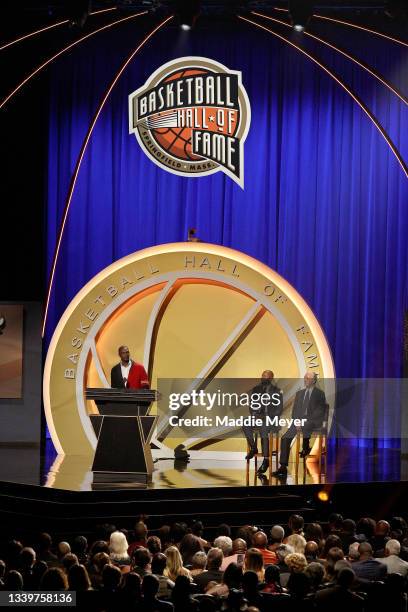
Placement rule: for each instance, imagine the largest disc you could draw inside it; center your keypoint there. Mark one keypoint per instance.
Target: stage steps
(39, 508)
(27, 508)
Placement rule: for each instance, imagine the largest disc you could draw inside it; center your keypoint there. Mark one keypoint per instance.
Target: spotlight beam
(64, 50)
(343, 86)
(81, 156)
(398, 41)
(50, 27)
(362, 65)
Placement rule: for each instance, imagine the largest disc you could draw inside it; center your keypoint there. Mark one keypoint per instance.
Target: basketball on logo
(192, 117)
(178, 141)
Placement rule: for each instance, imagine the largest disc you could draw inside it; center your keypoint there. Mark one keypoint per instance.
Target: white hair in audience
(353, 551)
(199, 560)
(297, 542)
(283, 551)
(393, 547)
(118, 544)
(277, 533)
(225, 543)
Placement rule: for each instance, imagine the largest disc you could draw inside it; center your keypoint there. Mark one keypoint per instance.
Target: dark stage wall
(325, 201)
(20, 419)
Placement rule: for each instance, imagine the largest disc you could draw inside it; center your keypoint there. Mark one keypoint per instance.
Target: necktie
(306, 400)
(264, 408)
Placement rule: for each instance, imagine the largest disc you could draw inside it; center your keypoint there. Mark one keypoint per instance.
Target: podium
(123, 428)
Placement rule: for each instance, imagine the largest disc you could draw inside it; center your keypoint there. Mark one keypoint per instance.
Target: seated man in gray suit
(395, 565)
(310, 404)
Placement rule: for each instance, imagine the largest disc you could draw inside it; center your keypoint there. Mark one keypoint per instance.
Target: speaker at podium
(123, 429)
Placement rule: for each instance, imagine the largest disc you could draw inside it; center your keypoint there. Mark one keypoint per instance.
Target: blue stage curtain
(325, 201)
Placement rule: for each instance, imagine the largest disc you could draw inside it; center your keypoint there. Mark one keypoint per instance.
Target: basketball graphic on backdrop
(178, 140)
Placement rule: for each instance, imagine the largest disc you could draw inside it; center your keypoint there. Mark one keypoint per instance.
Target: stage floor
(346, 464)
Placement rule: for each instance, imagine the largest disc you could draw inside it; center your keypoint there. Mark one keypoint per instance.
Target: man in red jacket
(128, 374)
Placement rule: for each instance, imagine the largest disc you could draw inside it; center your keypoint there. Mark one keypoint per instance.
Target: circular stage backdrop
(186, 310)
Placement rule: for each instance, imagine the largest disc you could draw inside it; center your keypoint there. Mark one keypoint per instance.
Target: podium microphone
(180, 455)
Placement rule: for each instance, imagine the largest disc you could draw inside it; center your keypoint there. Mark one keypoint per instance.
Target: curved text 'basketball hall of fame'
(191, 118)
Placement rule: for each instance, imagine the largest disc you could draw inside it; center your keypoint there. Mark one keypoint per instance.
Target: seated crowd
(339, 565)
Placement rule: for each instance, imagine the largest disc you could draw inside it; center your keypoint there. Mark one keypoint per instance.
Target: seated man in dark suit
(213, 572)
(340, 597)
(150, 601)
(274, 408)
(310, 404)
(367, 568)
(128, 374)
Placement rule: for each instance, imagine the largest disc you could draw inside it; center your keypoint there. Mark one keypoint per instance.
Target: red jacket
(137, 378)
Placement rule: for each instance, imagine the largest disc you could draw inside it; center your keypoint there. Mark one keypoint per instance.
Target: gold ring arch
(186, 310)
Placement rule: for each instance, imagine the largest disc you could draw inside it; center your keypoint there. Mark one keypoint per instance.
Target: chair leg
(320, 452)
(297, 448)
(325, 453)
(256, 446)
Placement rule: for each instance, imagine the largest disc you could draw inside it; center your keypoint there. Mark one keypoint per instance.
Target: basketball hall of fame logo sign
(187, 311)
(191, 117)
